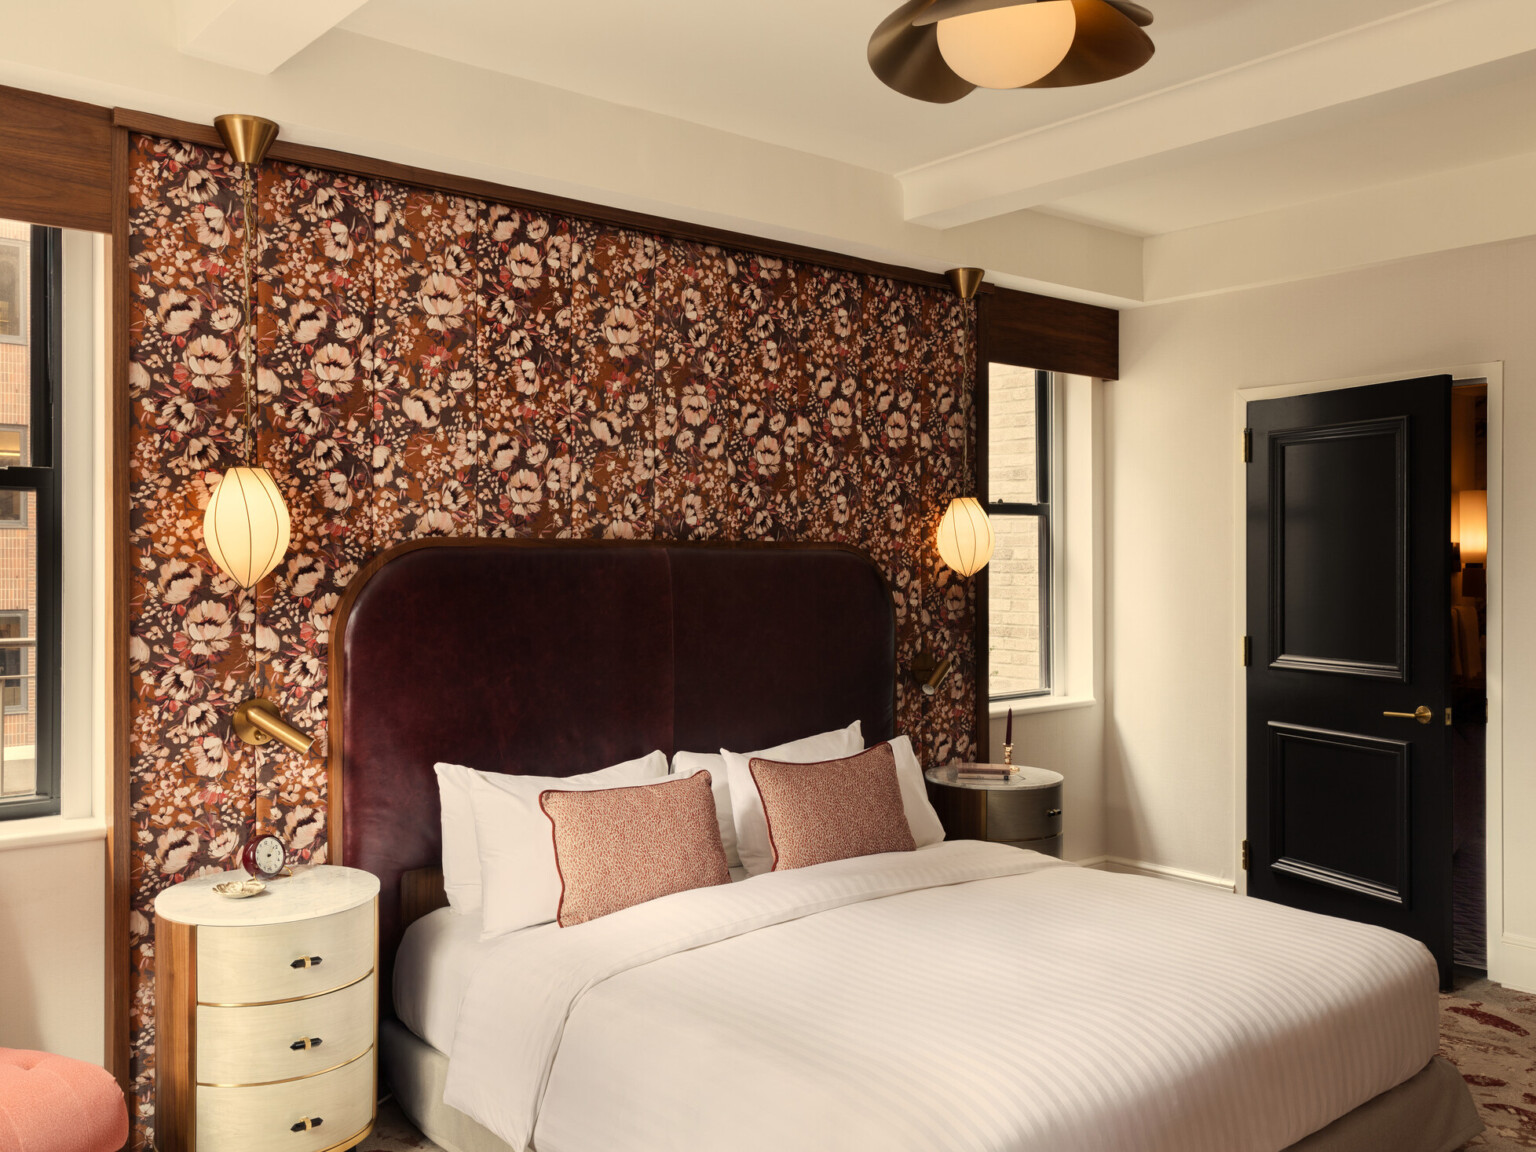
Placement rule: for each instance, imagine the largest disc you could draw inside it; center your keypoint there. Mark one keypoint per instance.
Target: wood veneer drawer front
(256, 964)
(261, 1118)
(256, 1045)
(1023, 814)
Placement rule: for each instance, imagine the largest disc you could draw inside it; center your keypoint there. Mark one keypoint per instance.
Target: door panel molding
(1285, 739)
(1397, 668)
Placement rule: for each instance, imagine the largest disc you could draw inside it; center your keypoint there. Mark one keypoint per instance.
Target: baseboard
(1161, 871)
(1512, 962)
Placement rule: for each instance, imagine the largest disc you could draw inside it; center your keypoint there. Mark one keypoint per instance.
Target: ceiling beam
(1142, 134)
(255, 35)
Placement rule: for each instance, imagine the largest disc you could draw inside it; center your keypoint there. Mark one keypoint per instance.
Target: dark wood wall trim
(55, 161)
(1049, 334)
(119, 822)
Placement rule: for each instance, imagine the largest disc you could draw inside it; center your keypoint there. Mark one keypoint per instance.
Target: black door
(1349, 768)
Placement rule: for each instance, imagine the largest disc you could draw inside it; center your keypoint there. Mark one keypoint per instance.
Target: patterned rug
(1487, 1031)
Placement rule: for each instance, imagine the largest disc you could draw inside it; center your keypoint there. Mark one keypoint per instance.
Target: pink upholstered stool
(54, 1104)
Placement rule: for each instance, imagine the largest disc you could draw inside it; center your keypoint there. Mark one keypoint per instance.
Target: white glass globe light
(1009, 47)
(246, 525)
(965, 537)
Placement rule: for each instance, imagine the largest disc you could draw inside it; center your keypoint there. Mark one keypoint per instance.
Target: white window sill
(40, 830)
(997, 709)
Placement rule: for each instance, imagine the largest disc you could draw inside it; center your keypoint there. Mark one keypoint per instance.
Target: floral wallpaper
(430, 364)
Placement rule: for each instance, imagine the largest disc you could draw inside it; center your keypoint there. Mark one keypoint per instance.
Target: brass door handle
(1422, 714)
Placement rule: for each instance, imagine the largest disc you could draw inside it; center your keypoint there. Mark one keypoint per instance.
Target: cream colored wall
(1172, 595)
(53, 948)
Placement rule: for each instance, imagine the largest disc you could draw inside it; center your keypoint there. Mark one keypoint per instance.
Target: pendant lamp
(965, 538)
(246, 525)
(942, 50)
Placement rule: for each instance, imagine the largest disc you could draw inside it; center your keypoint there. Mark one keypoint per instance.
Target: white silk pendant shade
(965, 537)
(246, 525)
(1008, 47)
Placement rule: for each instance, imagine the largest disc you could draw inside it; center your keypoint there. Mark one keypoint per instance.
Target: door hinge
(1245, 855)
(1247, 445)
(1247, 651)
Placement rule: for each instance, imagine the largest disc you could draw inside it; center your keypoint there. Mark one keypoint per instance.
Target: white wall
(53, 869)
(1172, 595)
(53, 948)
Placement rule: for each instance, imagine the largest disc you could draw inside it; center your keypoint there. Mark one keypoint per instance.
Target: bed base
(1432, 1112)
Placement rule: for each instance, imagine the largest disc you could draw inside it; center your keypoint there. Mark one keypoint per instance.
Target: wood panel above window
(55, 161)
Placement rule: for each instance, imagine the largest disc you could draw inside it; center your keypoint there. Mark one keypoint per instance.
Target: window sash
(45, 312)
(1044, 429)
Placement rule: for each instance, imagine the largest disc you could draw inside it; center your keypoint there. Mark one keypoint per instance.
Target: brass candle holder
(1008, 755)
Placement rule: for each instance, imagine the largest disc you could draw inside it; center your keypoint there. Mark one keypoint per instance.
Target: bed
(964, 996)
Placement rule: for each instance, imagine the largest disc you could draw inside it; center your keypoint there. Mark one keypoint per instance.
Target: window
(13, 662)
(13, 286)
(30, 537)
(13, 508)
(1018, 436)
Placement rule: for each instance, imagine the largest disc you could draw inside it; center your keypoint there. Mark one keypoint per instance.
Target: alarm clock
(264, 856)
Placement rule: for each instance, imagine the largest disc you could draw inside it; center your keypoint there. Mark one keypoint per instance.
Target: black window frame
(45, 307)
(1041, 509)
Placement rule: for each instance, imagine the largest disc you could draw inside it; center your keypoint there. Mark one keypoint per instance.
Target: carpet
(1488, 1032)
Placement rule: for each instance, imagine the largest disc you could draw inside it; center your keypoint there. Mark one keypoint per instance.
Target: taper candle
(1008, 735)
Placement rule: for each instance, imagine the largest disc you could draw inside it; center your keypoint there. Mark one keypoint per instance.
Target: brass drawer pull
(1053, 812)
(306, 1124)
(306, 962)
(306, 1044)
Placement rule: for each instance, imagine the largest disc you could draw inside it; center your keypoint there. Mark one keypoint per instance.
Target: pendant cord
(248, 362)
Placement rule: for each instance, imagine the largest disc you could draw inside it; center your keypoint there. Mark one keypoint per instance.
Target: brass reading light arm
(930, 671)
(258, 721)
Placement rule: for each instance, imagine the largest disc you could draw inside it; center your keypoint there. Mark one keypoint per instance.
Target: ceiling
(793, 74)
(1266, 141)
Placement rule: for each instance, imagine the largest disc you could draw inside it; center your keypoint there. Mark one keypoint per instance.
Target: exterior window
(30, 538)
(13, 454)
(13, 663)
(1019, 504)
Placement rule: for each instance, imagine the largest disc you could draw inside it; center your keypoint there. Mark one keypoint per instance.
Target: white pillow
(520, 880)
(461, 855)
(713, 763)
(747, 806)
(756, 849)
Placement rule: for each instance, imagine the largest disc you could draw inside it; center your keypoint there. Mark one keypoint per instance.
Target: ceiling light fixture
(942, 50)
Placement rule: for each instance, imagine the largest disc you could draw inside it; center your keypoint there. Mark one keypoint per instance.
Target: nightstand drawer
(256, 1045)
(1016, 815)
(267, 962)
(262, 1118)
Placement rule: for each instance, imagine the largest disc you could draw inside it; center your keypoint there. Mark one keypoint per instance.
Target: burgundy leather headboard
(552, 658)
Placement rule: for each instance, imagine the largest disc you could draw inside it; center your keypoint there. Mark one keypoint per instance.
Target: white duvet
(967, 996)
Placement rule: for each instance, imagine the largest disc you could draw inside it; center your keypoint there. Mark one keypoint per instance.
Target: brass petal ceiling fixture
(942, 50)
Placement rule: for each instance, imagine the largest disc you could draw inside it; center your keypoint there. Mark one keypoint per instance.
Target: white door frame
(1511, 961)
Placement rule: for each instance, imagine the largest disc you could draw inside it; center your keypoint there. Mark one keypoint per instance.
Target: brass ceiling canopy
(246, 137)
(940, 50)
(966, 281)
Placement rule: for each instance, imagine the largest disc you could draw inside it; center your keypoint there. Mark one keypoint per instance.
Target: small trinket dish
(240, 889)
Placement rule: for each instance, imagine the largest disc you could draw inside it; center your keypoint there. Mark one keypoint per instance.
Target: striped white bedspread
(965, 997)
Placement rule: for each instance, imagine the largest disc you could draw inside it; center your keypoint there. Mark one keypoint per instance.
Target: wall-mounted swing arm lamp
(258, 722)
(931, 672)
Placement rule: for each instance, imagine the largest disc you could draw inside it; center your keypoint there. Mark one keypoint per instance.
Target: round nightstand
(1024, 811)
(266, 1013)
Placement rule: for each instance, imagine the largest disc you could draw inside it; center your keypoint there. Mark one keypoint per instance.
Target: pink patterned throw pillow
(621, 846)
(834, 809)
